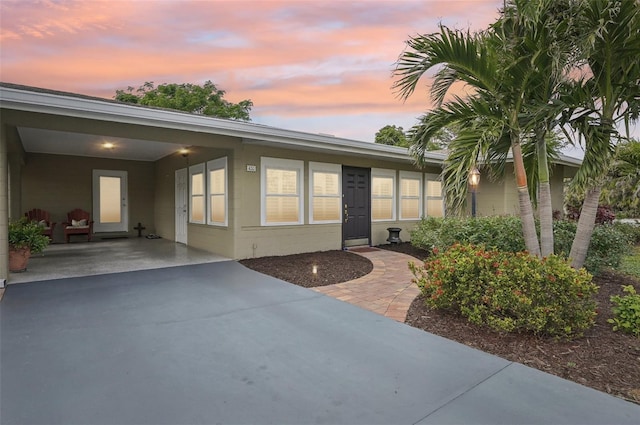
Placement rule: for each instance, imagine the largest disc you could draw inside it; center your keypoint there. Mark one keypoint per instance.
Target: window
(410, 195)
(383, 200)
(326, 193)
(433, 201)
(282, 191)
(196, 193)
(217, 192)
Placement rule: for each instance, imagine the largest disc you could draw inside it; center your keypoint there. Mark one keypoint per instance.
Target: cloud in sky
(318, 66)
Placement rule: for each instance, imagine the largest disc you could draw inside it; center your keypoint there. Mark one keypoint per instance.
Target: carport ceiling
(67, 143)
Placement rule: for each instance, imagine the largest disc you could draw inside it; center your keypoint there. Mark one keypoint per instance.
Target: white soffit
(78, 144)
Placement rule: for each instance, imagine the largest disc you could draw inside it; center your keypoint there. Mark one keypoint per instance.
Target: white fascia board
(48, 103)
(334, 146)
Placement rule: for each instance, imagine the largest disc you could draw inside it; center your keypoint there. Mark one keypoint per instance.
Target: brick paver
(387, 290)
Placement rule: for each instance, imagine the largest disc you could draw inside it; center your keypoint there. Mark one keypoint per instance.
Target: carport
(109, 256)
(52, 142)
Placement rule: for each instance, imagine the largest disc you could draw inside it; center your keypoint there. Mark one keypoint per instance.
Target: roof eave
(106, 110)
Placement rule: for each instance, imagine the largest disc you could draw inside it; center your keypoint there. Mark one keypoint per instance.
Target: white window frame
(433, 177)
(193, 170)
(410, 175)
(381, 172)
(281, 164)
(324, 167)
(214, 165)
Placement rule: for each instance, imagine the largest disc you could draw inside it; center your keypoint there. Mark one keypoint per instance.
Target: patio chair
(43, 219)
(78, 223)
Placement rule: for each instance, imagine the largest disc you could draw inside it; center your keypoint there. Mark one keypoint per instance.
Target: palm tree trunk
(586, 224)
(526, 209)
(545, 209)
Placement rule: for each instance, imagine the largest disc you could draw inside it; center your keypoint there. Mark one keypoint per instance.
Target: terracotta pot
(18, 259)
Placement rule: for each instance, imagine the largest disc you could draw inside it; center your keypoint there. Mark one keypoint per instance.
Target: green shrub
(510, 292)
(631, 230)
(504, 233)
(426, 234)
(626, 312)
(608, 246)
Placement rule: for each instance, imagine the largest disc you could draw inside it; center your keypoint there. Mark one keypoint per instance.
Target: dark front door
(356, 193)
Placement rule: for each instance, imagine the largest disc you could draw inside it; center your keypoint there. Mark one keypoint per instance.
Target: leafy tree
(206, 99)
(392, 135)
(396, 136)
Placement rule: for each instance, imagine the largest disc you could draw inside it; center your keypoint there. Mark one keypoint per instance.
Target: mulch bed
(602, 359)
(333, 267)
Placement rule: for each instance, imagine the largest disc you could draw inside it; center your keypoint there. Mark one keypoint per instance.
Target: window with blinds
(282, 191)
(410, 196)
(326, 193)
(217, 192)
(383, 195)
(433, 200)
(196, 194)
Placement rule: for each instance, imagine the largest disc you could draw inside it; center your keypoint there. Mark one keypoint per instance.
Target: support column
(4, 208)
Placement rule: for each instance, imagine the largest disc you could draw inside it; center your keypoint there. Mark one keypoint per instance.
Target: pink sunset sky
(316, 66)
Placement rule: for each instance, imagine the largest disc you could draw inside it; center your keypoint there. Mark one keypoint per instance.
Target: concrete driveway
(218, 343)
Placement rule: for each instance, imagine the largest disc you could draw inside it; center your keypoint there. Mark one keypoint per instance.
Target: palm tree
(541, 34)
(514, 70)
(609, 95)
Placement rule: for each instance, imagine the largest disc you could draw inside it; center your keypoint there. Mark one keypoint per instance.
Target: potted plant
(25, 238)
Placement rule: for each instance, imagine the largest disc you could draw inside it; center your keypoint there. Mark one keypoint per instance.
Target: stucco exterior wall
(501, 197)
(254, 240)
(60, 183)
(217, 239)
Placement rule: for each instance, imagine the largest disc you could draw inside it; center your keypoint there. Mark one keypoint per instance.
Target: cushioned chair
(78, 223)
(42, 218)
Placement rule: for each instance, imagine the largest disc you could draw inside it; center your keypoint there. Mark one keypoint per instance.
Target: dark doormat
(363, 249)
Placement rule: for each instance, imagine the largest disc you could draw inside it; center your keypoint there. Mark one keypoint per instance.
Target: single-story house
(234, 188)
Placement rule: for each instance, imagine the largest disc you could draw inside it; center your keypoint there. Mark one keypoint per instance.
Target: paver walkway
(387, 290)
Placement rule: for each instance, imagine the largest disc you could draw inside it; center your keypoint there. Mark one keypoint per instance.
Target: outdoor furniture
(78, 223)
(43, 219)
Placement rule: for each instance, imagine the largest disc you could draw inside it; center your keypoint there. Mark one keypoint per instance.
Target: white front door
(110, 201)
(181, 206)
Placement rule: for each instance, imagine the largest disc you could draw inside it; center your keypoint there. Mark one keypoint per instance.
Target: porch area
(109, 256)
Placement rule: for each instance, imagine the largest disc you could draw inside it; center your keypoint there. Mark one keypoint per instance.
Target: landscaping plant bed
(602, 359)
(332, 267)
